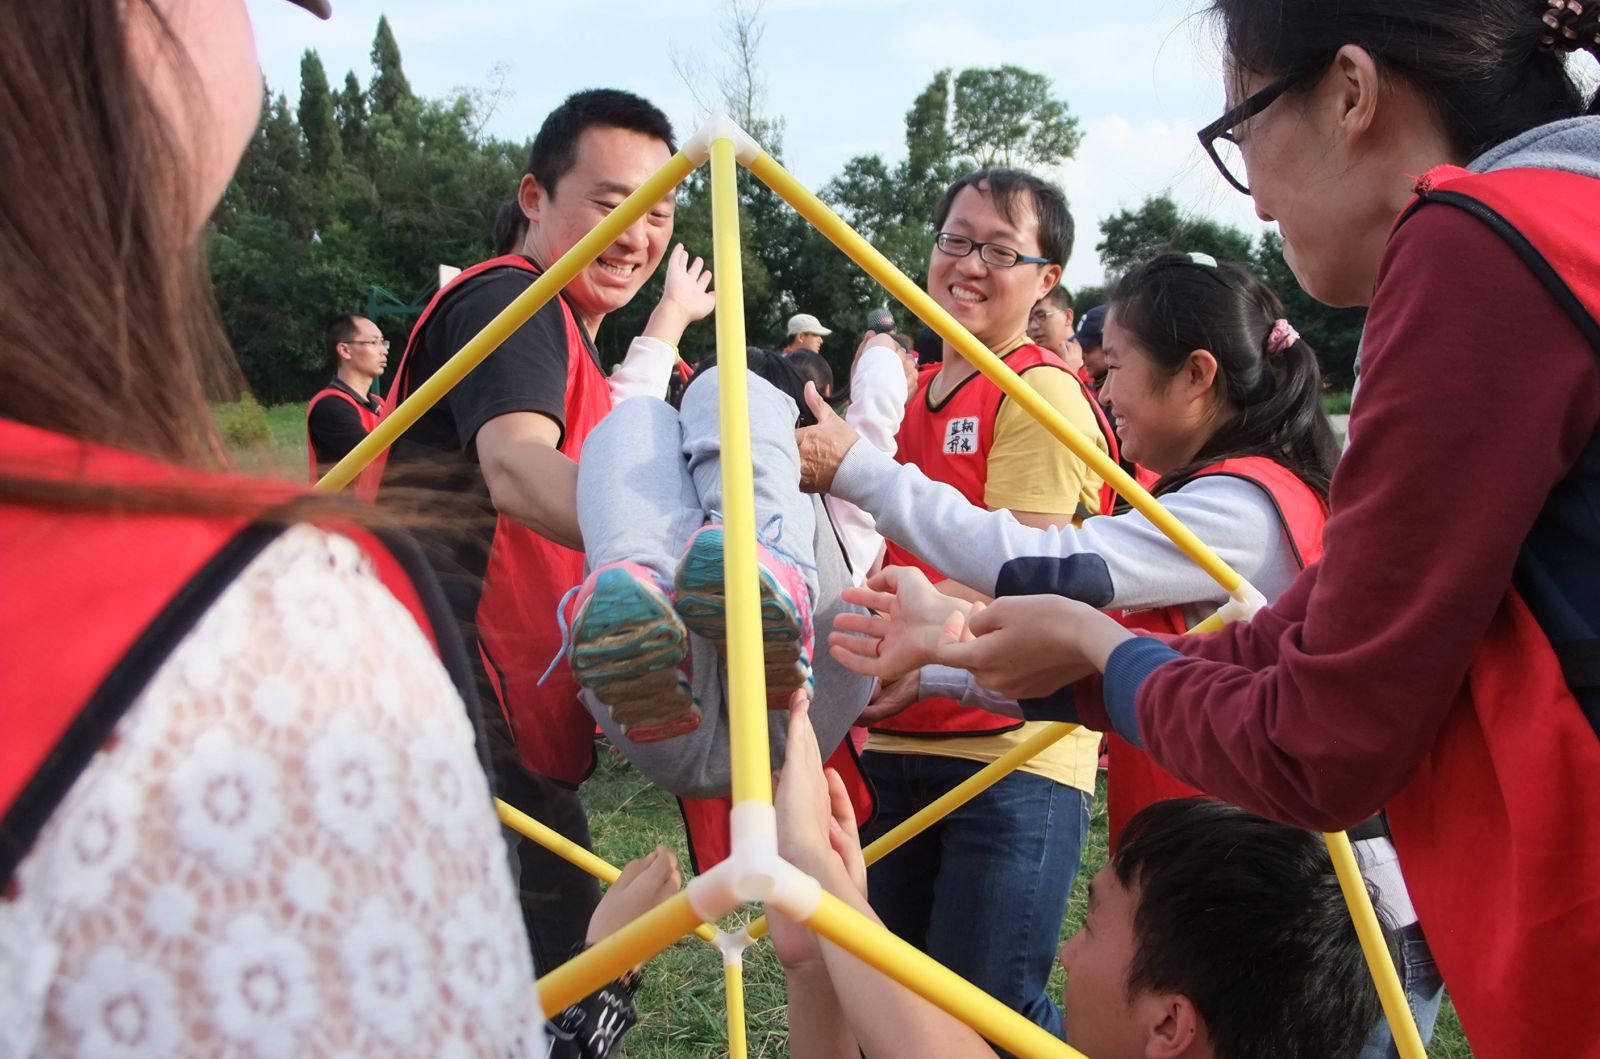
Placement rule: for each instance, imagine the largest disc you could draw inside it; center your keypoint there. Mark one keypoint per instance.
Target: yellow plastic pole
(747, 688)
(513, 316)
(931, 980)
(863, 253)
(733, 984)
(951, 800)
(609, 958)
(569, 851)
(1380, 961)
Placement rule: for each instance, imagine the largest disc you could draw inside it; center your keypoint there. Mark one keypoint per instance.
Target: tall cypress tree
(317, 122)
(389, 84)
(350, 109)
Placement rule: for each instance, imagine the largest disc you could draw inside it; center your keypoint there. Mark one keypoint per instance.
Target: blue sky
(841, 73)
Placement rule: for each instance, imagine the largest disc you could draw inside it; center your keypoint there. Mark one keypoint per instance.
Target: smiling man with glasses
(984, 890)
(345, 410)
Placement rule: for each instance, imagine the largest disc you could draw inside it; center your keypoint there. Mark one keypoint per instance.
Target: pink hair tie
(1282, 336)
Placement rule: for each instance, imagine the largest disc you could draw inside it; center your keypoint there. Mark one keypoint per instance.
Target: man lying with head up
(1212, 934)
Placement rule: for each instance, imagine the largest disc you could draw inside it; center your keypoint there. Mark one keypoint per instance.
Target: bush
(243, 423)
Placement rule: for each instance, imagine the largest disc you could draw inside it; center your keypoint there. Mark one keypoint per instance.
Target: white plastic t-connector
(721, 127)
(732, 945)
(1243, 602)
(753, 871)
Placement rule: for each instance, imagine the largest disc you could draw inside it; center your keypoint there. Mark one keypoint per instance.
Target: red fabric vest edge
(369, 419)
(1500, 813)
(123, 570)
(924, 441)
(527, 574)
(1133, 781)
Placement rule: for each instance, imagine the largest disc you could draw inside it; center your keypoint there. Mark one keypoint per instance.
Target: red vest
(951, 444)
(1133, 781)
(369, 419)
(87, 620)
(527, 574)
(1497, 831)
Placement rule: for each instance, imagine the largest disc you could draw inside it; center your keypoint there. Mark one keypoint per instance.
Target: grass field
(682, 1013)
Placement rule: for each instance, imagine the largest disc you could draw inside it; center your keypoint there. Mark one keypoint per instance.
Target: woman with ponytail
(1438, 162)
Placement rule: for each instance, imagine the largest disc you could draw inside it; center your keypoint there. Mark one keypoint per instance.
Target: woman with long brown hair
(234, 817)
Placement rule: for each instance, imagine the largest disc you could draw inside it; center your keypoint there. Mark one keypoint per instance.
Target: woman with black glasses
(1436, 161)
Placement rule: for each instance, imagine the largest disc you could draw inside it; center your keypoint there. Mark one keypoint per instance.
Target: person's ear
(1174, 1026)
(1357, 85)
(1199, 373)
(1049, 280)
(343, 350)
(531, 197)
(1070, 318)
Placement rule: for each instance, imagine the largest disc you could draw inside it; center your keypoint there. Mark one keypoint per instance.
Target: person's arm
(1446, 471)
(335, 428)
(528, 477)
(685, 298)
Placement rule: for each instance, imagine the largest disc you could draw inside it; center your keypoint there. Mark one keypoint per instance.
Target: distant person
(1050, 326)
(805, 332)
(510, 228)
(880, 321)
(1091, 339)
(928, 346)
(1211, 934)
(345, 410)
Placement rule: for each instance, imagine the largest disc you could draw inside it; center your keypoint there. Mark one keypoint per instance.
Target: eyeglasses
(384, 342)
(990, 253)
(1041, 317)
(1218, 138)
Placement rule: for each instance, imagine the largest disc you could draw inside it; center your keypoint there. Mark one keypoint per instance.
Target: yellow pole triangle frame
(754, 872)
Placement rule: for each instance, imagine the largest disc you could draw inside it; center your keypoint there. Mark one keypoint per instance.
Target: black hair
(1480, 63)
(346, 327)
(1245, 917)
(929, 347)
(510, 226)
(555, 148)
(1059, 298)
(774, 367)
(1173, 305)
(1002, 186)
(813, 366)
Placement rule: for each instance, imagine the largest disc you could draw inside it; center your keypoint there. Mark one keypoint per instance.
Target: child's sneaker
(786, 629)
(627, 648)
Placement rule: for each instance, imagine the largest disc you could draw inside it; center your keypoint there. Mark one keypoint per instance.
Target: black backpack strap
(88, 732)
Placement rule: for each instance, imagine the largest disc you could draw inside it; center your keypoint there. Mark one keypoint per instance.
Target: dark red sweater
(1477, 395)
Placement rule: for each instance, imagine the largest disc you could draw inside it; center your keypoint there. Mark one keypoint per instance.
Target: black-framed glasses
(996, 254)
(1218, 138)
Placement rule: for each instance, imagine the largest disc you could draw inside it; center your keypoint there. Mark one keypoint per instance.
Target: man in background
(345, 410)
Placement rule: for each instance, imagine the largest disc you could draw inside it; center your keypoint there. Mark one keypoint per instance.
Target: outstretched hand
(643, 884)
(911, 620)
(1028, 647)
(822, 447)
(686, 297)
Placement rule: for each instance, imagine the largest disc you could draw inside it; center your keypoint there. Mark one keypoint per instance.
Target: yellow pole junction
(875, 946)
(1380, 961)
(747, 686)
(513, 316)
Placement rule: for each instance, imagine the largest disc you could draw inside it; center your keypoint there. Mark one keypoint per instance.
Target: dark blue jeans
(984, 891)
(1424, 992)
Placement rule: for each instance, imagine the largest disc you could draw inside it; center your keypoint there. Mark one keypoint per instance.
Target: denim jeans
(984, 890)
(1424, 992)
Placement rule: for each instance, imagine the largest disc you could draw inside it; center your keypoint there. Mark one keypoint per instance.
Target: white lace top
(286, 850)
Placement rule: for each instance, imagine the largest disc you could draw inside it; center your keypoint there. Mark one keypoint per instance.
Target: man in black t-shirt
(506, 440)
(345, 410)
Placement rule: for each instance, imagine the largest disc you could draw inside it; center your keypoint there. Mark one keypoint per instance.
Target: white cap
(806, 324)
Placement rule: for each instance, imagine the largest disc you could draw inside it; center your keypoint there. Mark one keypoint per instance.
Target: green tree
(1333, 333)
(319, 126)
(1159, 226)
(350, 109)
(389, 85)
(1006, 116)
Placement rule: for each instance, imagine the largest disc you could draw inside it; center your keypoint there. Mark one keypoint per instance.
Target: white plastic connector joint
(1243, 603)
(753, 871)
(721, 127)
(732, 946)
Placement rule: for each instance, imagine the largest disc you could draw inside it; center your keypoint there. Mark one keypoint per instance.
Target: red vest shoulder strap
(1301, 511)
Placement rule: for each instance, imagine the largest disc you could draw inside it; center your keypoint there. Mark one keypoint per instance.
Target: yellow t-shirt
(1029, 470)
